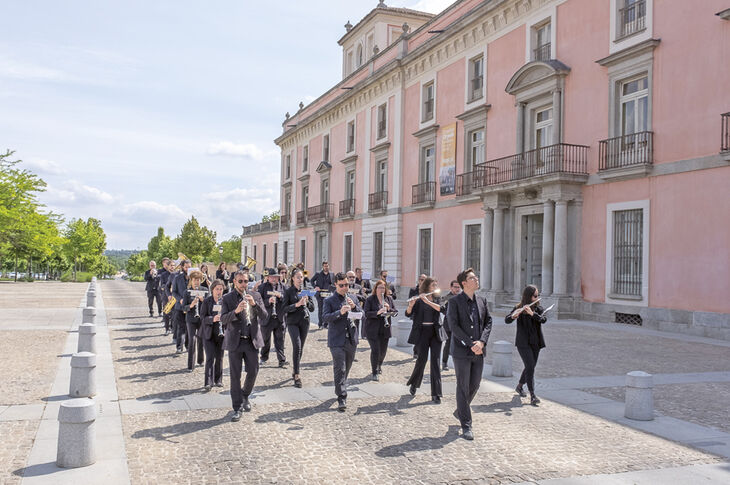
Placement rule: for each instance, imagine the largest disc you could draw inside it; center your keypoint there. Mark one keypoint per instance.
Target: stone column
(520, 127)
(497, 245)
(556, 116)
(486, 276)
(560, 286)
(548, 219)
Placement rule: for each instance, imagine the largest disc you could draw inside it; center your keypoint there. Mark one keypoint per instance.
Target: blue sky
(142, 113)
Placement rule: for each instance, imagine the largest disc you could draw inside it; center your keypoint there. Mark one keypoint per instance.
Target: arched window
(359, 56)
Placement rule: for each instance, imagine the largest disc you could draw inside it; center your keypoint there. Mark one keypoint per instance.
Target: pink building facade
(580, 146)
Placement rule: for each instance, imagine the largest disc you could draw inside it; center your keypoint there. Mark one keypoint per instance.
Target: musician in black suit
(211, 332)
(179, 288)
(455, 290)
(342, 338)
(411, 293)
(164, 290)
(529, 339)
(426, 336)
(152, 287)
(272, 294)
(378, 325)
(384, 277)
(364, 283)
(322, 281)
(470, 325)
(191, 307)
(297, 309)
(242, 311)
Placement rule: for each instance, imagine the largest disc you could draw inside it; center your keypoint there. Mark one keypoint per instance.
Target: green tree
(196, 242)
(232, 249)
(161, 246)
(138, 263)
(274, 216)
(85, 245)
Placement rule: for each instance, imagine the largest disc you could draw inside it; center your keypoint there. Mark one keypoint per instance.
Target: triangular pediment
(323, 167)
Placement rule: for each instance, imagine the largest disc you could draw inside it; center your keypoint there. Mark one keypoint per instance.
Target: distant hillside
(119, 257)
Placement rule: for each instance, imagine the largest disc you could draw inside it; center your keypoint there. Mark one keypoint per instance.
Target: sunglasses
(342, 285)
(241, 281)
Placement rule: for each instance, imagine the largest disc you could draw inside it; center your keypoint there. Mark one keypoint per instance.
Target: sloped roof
(391, 10)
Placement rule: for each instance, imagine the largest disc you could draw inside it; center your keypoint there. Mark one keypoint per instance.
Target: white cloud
(430, 6)
(151, 211)
(245, 150)
(73, 192)
(44, 167)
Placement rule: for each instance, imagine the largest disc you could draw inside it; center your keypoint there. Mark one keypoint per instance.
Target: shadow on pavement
(291, 416)
(505, 407)
(420, 444)
(391, 408)
(167, 433)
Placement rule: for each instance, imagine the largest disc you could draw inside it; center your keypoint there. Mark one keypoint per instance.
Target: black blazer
(192, 315)
(375, 327)
(179, 288)
(462, 327)
(529, 328)
(339, 327)
(295, 315)
(422, 313)
(206, 317)
(152, 283)
(234, 321)
(264, 288)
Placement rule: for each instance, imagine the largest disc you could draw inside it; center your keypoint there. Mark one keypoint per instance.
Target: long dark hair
(527, 294)
(426, 285)
(294, 271)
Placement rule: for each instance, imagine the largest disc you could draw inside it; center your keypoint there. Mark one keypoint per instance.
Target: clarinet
(218, 326)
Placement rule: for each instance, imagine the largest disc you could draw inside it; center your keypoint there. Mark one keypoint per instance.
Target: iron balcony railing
(261, 227)
(301, 218)
(725, 143)
(378, 201)
(424, 193)
(559, 158)
(347, 208)
(464, 183)
(632, 18)
(322, 212)
(284, 222)
(541, 53)
(625, 151)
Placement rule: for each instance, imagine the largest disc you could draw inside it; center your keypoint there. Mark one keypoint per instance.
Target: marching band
(234, 312)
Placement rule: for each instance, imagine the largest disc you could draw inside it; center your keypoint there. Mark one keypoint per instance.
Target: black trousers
(245, 353)
(213, 361)
(320, 303)
(529, 358)
(342, 358)
(428, 341)
(445, 351)
(195, 346)
(277, 328)
(152, 296)
(378, 349)
(298, 335)
(179, 329)
(468, 377)
(166, 316)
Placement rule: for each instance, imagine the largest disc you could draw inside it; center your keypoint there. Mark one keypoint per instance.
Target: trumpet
(250, 262)
(435, 292)
(153, 273)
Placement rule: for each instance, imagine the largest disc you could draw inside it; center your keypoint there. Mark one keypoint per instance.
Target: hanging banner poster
(447, 173)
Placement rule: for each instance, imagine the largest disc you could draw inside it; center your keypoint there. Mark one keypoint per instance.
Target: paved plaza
(156, 423)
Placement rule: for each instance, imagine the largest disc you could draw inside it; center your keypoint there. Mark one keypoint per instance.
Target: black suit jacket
(153, 284)
(375, 324)
(295, 315)
(234, 321)
(529, 328)
(264, 289)
(420, 313)
(462, 326)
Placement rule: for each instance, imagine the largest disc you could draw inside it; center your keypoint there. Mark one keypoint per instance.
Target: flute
(436, 292)
(516, 313)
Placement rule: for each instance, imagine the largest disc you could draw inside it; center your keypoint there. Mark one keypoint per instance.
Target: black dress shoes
(236, 416)
(436, 399)
(412, 390)
(534, 400)
(297, 382)
(468, 434)
(283, 364)
(376, 377)
(519, 390)
(342, 405)
(246, 405)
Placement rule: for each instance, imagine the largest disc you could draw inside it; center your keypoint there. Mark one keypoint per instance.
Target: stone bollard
(76, 433)
(402, 330)
(639, 397)
(83, 375)
(502, 359)
(87, 338)
(91, 298)
(88, 315)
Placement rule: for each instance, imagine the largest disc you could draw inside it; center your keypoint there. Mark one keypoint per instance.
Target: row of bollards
(77, 417)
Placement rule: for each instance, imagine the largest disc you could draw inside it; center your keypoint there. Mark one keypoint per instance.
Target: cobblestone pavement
(703, 403)
(17, 440)
(388, 441)
(34, 355)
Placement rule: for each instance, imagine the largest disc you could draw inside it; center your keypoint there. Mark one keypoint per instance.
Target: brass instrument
(153, 272)
(169, 305)
(250, 263)
(436, 292)
(177, 263)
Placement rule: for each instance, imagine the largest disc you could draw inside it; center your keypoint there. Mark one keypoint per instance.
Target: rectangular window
(254, 256)
(303, 251)
(305, 159)
(473, 249)
(350, 136)
(627, 252)
(427, 97)
(348, 252)
(350, 63)
(382, 119)
(634, 104)
(325, 193)
(424, 253)
(287, 168)
(287, 205)
(350, 184)
(286, 252)
(543, 127)
(381, 179)
(476, 78)
(264, 250)
(427, 172)
(245, 253)
(542, 43)
(632, 17)
(476, 150)
(326, 148)
(377, 252)
(305, 197)
(276, 252)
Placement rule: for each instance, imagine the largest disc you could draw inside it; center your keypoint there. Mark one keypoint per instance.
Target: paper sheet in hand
(217, 308)
(354, 315)
(309, 293)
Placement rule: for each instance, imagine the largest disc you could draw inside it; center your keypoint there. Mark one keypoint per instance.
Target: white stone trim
(646, 34)
(368, 157)
(482, 256)
(469, 56)
(610, 209)
(426, 80)
(418, 248)
(353, 120)
(398, 134)
(391, 227)
(387, 120)
(539, 17)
